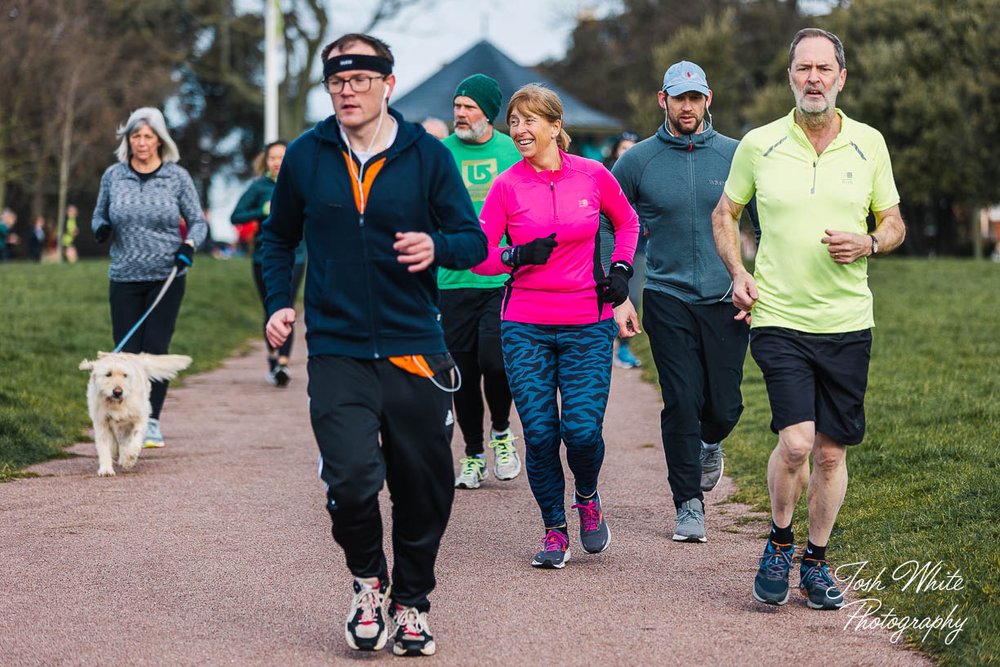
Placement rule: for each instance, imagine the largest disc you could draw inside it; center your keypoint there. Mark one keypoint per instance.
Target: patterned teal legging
(575, 360)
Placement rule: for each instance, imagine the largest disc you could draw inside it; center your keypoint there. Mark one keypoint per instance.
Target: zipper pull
(361, 220)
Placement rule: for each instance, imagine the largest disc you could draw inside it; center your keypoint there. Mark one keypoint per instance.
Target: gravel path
(216, 550)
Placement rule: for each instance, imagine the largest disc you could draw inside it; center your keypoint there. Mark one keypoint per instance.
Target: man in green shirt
(470, 304)
(816, 174)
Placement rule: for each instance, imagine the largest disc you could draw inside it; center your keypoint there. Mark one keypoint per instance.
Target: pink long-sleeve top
(525, 205)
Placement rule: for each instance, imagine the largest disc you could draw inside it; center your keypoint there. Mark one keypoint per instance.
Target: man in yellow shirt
(816, 174)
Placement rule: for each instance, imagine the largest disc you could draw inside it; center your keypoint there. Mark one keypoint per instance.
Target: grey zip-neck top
(145, 220)
(674, 183)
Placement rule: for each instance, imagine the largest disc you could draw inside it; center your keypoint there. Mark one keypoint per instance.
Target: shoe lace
(817, 576)
(368, 601)
(472, 465)
(503, 448)
(555, 540)
(776, 563)
(711, 457)
(409, 619)
(590, 515)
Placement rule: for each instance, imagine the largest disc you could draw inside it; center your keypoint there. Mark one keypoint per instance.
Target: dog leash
(163, 290)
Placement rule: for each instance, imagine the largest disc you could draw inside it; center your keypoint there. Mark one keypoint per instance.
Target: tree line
(921, 71)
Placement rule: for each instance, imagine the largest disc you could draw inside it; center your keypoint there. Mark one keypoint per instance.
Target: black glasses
(359, 83)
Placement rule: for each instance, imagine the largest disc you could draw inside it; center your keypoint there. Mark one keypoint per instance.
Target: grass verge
(925, 483)
(57, 314)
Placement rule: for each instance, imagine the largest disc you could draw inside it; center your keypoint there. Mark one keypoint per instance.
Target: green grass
(925, 483)
(56, 315)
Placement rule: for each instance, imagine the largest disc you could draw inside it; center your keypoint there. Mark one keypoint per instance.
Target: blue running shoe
(625, 358)
(819, 588)
(770, 586)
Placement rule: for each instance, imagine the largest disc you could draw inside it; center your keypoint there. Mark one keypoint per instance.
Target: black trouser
(698, 352)
(353, 403)
(471, 321)
(128, 303)
(298, 271)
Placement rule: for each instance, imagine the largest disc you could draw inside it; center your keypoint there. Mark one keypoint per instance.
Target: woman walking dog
(139, 207)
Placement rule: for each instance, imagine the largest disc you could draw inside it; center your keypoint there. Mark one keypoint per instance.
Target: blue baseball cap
(683, 77)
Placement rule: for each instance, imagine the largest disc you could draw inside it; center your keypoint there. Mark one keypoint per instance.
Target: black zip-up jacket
(360, 301)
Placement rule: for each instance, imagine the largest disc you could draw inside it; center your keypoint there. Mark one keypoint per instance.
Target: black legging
(128, 303)
(486, 365)
(298, 271)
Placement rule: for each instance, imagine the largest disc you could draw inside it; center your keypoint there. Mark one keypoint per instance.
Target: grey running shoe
(711, 467)
(595, 536)
(154, 438)
(555, 551)
(770, 586)
(818, 587)
(471, 473)
(282, 376)
(366, 628)
(506, 462)
(411, 635)
(690, 522)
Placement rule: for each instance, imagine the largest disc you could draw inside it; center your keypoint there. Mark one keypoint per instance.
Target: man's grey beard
(474, 133)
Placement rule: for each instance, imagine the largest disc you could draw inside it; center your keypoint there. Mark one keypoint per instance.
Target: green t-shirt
(799, 196)
(479, 165)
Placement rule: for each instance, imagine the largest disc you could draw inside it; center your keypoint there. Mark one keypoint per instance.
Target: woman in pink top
(558, 325)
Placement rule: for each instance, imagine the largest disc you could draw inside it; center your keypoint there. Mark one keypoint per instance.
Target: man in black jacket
(381, 206)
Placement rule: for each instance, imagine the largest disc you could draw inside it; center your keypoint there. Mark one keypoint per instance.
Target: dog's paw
(129, 461)
(105, 472)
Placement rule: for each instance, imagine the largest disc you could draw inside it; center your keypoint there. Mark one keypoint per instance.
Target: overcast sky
(424, 40)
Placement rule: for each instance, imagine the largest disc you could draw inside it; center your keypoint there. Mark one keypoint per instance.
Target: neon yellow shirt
(479, 165)
(799, 196)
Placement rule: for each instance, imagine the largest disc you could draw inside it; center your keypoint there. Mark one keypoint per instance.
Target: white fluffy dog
(118, 400)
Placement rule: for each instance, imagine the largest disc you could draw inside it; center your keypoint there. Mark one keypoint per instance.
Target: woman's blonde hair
(543, 102)
(260, 162)
(154, 119)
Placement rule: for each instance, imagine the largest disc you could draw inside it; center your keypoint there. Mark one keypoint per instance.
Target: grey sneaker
(154, 438)
(711, 467)
(471, 473)
(506, 464)
(690, 522)
(282, 376)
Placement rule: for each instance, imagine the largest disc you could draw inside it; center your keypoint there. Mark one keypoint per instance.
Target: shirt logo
(478, 175)
(584, 203)
(847, 178)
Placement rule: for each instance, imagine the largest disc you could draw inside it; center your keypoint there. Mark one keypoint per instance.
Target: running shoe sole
(780, 602)
(550, 565)
(689, 538)
(376, 643)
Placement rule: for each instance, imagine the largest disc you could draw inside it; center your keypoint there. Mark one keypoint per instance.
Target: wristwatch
(507, 257)
(874, 244)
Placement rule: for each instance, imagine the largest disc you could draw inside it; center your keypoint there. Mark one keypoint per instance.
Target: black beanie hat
(484, 91)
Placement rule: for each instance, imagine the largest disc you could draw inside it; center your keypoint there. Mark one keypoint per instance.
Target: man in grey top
(674, 179)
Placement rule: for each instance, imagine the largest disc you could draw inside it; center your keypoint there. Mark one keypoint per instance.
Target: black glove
(103, 233)
(184, 257)
(614, 288)
(533, 252)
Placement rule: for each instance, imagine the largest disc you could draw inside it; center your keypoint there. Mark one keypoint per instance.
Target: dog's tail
(164, 366)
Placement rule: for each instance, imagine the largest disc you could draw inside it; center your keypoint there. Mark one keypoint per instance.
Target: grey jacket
(145, 220)
(674, 183)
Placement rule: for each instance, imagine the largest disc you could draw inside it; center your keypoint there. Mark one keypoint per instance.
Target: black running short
(820, 378)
